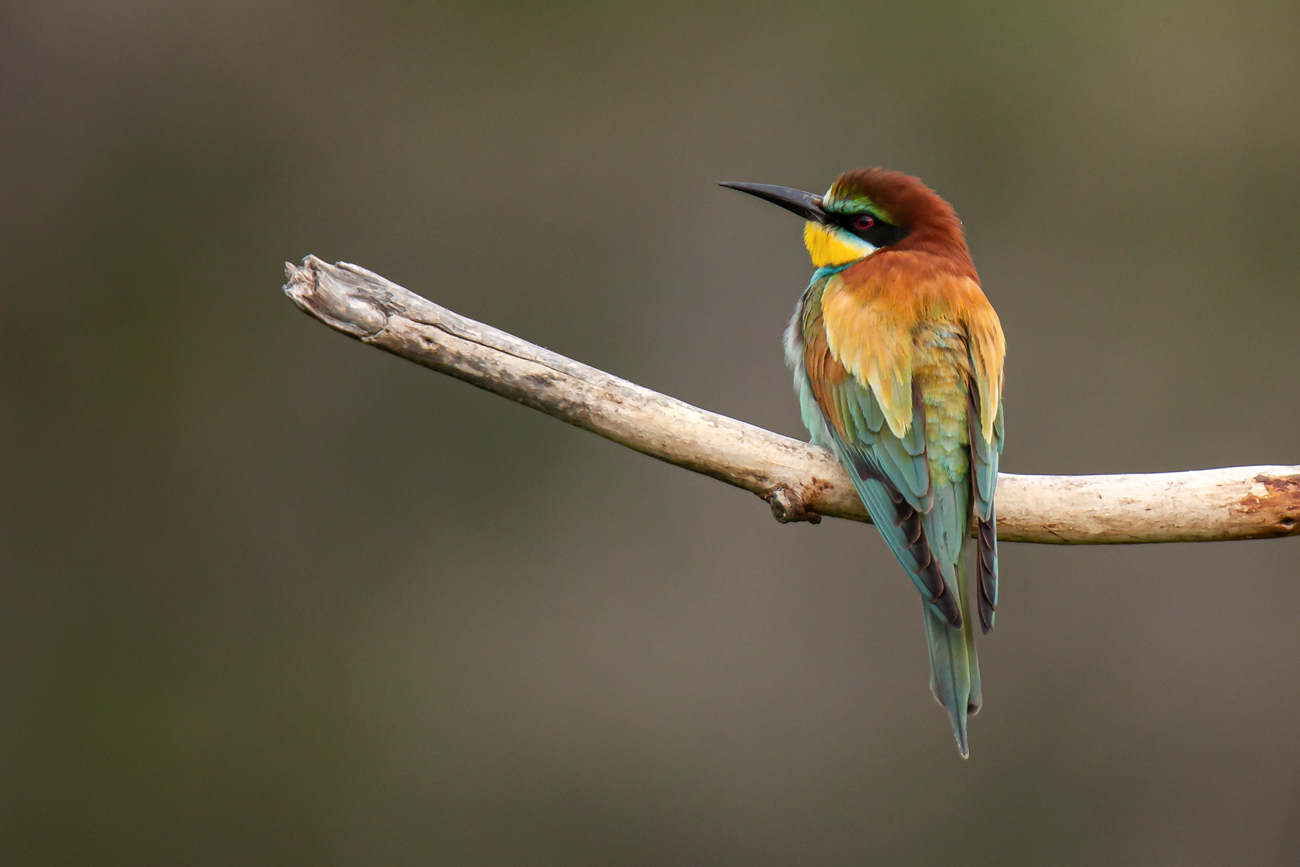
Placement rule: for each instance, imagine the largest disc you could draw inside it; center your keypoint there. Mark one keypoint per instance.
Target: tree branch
(800, 481)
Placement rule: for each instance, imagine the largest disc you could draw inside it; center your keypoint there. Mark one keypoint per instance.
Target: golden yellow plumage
(871, 328)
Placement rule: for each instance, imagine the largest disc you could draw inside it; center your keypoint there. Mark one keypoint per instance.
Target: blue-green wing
(892, 477)
(925, 525)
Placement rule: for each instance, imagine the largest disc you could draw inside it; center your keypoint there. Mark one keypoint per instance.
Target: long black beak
(804, 204)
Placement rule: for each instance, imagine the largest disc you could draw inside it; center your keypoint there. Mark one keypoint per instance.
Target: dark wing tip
(986, 617)
(945, 604)
(986, 572)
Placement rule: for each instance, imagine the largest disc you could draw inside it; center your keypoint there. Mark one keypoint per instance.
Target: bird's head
(866, 210)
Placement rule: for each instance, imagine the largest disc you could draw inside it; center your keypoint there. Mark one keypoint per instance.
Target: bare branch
(800, 481)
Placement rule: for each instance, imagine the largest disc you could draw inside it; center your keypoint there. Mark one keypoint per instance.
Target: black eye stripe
(877, 232)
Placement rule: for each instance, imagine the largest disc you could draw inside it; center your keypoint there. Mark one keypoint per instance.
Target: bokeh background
(268, 596)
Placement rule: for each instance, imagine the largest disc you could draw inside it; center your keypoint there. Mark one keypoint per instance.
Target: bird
(898, 358)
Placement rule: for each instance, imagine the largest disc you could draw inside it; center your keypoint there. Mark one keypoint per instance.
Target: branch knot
(788, 505)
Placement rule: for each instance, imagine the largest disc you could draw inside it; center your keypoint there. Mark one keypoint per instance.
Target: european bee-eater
(897, 359)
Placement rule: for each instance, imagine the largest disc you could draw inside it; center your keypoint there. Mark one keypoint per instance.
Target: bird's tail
(954, 668)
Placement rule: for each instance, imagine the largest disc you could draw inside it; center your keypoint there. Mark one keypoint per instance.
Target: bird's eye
(863, 222)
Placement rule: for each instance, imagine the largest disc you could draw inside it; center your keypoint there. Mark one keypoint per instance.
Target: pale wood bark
(800, 481)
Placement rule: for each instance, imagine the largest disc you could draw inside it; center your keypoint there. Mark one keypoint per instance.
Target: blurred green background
(268, 596)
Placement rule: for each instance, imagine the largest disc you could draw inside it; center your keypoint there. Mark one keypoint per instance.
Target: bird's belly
(942, 371)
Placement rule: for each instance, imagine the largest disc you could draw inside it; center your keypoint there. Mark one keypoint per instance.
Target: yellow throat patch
(830, 247)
